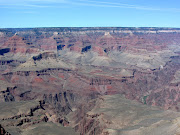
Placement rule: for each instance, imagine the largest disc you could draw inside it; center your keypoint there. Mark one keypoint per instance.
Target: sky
(89, 13)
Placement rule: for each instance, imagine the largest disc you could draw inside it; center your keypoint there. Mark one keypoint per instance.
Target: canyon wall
(68, 70)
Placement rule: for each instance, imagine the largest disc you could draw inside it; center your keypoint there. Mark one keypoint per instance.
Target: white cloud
(30, 1)
(4, 1)
(52, 1)
(123, 5)
(90, 3)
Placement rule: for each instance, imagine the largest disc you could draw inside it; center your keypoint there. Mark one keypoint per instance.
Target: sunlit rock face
(71, 77)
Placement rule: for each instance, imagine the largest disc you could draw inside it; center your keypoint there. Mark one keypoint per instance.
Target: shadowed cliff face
(3, 132)
(68, 70)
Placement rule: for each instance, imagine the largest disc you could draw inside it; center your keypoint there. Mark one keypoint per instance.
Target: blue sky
(89, 13)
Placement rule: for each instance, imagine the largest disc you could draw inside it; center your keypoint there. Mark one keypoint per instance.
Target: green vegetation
(144, 99)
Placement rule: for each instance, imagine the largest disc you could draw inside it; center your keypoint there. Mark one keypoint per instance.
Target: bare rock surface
(94, 80)
(121, 116)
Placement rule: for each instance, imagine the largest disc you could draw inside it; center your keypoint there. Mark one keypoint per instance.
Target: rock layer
(63, 74)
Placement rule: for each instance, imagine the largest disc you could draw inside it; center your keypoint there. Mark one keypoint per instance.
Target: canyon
(90, 81)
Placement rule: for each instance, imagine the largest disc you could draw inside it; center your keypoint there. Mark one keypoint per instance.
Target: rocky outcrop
(113, 118)
(84, 123)
(16, 44)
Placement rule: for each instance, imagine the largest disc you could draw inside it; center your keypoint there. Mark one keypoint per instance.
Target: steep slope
(119, 116)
